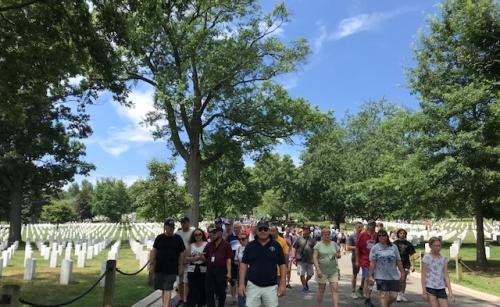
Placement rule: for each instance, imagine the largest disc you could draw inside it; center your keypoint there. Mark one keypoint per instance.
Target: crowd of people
(253, 262)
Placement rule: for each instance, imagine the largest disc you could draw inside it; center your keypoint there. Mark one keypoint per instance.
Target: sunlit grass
(45, 289)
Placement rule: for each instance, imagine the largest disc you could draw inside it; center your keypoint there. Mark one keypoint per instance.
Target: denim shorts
(364, 271)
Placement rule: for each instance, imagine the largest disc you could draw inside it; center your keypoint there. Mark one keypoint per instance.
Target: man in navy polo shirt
(260, 259)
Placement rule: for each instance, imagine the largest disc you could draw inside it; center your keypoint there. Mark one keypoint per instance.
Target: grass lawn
(45, 289)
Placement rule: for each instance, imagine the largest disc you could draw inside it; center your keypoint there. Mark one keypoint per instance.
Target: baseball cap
(263, 224)
(211, 228)
(169, 222)
(185, 219)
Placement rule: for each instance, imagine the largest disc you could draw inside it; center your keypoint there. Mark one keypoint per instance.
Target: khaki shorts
(257, 296)
(328, 277)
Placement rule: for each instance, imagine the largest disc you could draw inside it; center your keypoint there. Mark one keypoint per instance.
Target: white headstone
(103, 269)
(427, 248)
(53, 258)
(81, 259)
(143, 259)
(487, 249)
(29, 270)
(5, 257)
(66, 272)
(68, 252)
(90, 251)
(453, 251)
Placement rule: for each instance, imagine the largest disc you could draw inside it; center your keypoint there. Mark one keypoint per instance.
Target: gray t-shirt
(351, 241)
(386, 258)
(304, 249)
(435, 271)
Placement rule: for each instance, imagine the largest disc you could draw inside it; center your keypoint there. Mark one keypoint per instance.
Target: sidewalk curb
(468, 291)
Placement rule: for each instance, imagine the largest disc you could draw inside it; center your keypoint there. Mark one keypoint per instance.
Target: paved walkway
(294, 297)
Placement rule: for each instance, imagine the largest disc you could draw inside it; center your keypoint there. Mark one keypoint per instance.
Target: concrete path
(464, 297)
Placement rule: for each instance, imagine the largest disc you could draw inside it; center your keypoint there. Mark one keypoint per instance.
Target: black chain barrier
(23, 301)
(135, 273)
(466, 266)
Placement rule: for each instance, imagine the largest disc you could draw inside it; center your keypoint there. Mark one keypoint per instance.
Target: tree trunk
(481, 260)
(194, 171)
(15, 203)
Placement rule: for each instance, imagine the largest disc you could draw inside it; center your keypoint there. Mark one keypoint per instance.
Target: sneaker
(304, 290)
(306, 287)
(399, 299)
(354, 295)
(288, 286)
(403, 298)
(360, 292)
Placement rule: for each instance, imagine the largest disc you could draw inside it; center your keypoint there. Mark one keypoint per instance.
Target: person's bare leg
(319, 295)
(185, 294)
(391, 297)
(384, 298)
(180, 288)
(403, 282)
(353, 282)
(335, 293)
(433, 301)
(166, 298)
(442, 302)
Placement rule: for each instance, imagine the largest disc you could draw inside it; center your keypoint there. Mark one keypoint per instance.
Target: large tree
(210, 63)
(278, 175)
(159, 196)
(457, 81)
(110, 199)
(228, 187)
(45, 46)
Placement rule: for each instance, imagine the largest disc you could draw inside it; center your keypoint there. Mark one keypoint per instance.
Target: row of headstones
(74, 233)
(83, 251)
(455, 249)
(141, 254)
(7, 254)
(66, 273)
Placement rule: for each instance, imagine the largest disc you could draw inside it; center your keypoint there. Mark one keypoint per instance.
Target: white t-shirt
(435, 271)
(196, 251)
(185, 235)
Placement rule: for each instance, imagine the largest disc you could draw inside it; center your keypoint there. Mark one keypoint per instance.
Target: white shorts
(304, 268)
(261, 296)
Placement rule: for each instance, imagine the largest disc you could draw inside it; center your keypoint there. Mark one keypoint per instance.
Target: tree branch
(18, 6)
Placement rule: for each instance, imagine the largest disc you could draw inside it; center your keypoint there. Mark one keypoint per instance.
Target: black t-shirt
(168, 249)
(262, 261)
(406, 249)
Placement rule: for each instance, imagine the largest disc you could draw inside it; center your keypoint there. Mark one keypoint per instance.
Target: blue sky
(360, 50)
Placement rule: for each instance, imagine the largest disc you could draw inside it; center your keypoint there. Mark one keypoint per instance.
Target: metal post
(109, 283)
(458, 268)
(10, 295)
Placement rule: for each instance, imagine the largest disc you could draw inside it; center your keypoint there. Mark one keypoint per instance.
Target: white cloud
(118, 140)
(180, 178)
(355, 24)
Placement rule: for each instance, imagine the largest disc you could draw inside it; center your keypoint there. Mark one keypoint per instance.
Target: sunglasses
(242, 239)
(263, 229)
